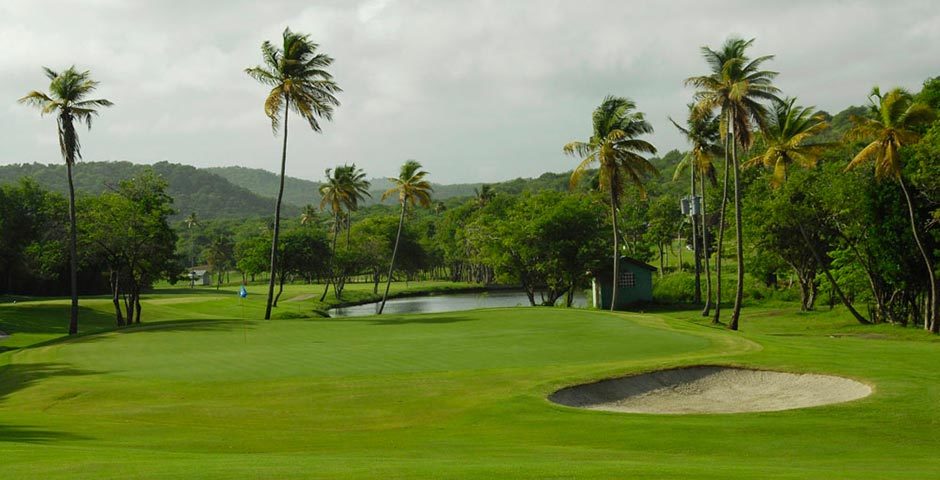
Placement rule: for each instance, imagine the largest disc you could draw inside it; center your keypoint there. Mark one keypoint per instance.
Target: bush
(679, 287)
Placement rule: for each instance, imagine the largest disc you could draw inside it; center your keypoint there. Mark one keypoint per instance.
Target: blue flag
(243, 292)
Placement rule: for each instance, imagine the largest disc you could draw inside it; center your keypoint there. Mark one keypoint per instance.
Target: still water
(452, 302)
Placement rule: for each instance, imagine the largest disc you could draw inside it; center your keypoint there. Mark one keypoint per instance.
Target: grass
(197, 392)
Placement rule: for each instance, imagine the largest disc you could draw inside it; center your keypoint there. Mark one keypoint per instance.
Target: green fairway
(197, 392)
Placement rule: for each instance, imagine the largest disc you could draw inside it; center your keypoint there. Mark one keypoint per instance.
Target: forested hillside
(193, 190)
(301, 192)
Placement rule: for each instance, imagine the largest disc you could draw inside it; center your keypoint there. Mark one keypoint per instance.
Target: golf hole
(711, 389)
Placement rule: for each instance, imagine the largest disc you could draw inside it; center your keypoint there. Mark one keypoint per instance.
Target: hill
(193, 190)
(300, 192)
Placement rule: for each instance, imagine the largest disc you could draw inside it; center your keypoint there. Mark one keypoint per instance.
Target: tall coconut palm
(192, 221)
(412, 189)
(738, 89)
(703, 133)
(788, 141)
(345, 187)
(68, 101)
(616, 149)
(299, 81)
(894, 118)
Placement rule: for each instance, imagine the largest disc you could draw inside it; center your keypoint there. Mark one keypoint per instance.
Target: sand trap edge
(711, 389)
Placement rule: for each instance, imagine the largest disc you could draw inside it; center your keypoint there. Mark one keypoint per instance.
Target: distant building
(200, 277)
(634, 286)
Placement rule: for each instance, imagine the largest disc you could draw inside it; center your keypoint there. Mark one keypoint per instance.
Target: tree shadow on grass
(17, 377)
(25, 434)
(195, 325)
(50, 318)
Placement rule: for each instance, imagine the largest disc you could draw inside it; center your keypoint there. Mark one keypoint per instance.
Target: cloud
(477, 90)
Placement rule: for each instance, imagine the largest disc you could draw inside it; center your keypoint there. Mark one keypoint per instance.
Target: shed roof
(638, 263)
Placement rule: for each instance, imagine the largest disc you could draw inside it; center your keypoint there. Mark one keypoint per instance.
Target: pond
(451, 302)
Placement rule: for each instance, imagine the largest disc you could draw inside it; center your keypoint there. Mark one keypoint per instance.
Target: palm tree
(412, 189)
(787, 138)
(297, 76)
(892, 125)
(484, 194)
(308, 215)
(703, 133)
(191, 222)
(344, 188)
(788, 141)
(67, 99)
(615, 148)
(737, 88)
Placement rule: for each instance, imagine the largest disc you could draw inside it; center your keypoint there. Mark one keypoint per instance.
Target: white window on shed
(627, 279)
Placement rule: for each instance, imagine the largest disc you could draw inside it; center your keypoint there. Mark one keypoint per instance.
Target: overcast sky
(475, 90)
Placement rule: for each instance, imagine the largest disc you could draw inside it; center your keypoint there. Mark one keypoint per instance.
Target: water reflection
(452, 302)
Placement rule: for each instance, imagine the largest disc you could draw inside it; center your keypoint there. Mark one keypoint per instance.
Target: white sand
(711, 389)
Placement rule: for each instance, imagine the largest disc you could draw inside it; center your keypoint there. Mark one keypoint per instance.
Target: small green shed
(634, 286)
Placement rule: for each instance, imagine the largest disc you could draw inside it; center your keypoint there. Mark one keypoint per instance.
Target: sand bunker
(710, 389)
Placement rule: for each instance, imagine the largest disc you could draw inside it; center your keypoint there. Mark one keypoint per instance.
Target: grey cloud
(476, 90)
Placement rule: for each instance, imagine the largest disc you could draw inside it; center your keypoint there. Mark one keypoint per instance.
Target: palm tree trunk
(277, 217)
(708, 276)
(662, 259)
(192, 258)
(613, 290)
(679, 241)
(391, 265)
(930, 319)
(738, 238)
(832, 281)
(329, 279)
(721, 233)
(73, 253)
(697, 263)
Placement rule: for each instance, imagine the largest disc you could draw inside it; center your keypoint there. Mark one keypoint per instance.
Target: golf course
(470, 240)
(195, 391)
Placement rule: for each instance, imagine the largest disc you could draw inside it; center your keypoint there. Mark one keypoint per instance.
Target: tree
(251, 255)
(67, 99)
(895, 118)
(308, 215)
(548, 242)
(129, 229)
(299, 81)
(736, 87)
(301, 253)
(664, 217)
(484, 194)
(412, 189)
(788, 139)
(345, 187)
(33, 229)
(374, 238)
(615, 148)
(219, 255)
(702, 131)
(192, 222)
